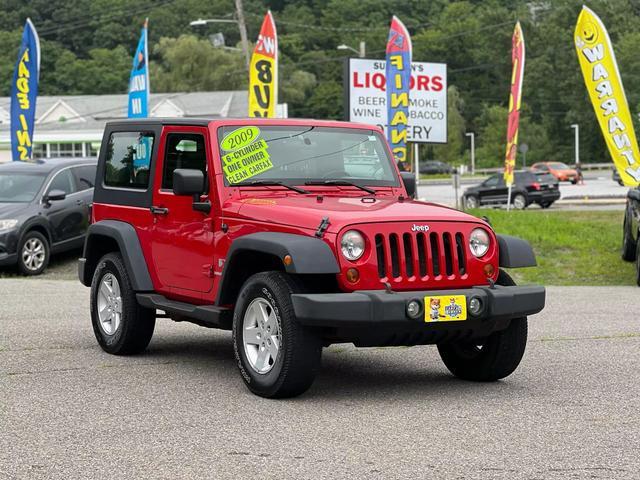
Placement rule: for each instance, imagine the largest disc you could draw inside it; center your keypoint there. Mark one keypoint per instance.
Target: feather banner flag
(139, 80)
(398, 75)
(515, 100)
(604, 84)
(263, 71)
(24, 92)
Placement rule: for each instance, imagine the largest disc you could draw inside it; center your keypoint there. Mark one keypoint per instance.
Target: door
(182, 238)
(85, 178)
(66, 217)
(494, 190)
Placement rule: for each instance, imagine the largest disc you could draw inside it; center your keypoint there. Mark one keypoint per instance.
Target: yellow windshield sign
(248, 155)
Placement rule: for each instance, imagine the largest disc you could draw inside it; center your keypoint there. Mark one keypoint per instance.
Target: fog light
(489, 270)
(475, 306)
(353, 275)
(413, 309)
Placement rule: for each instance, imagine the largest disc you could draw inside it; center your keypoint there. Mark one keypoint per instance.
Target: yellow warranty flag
(602, 78)
(263, 71)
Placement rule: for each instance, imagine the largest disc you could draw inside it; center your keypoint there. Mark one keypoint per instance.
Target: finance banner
(139, 80)
(365, 86)
(263, 71)
(398, 75)
(604, 84)
(515, 99)
(24, 92)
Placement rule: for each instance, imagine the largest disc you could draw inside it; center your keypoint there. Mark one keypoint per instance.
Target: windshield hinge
(324, 224)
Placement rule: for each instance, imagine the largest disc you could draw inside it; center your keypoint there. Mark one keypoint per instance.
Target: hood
(11, 210)
(307, 211)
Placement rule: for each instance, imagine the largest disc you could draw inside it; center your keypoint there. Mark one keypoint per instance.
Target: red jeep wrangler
(295, 234)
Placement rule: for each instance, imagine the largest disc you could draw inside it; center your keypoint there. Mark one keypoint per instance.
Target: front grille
(422, 255)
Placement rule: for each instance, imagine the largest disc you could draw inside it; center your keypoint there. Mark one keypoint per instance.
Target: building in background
(72, 126)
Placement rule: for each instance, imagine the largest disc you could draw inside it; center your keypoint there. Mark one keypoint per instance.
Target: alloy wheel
(33, 254)
(109, 304)
(261, 335)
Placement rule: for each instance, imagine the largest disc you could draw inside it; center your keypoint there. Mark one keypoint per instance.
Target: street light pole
(472, 136)
(576, 129)
(362, 52)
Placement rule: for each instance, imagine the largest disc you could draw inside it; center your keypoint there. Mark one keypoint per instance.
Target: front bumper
(373, 317)
(8, 248)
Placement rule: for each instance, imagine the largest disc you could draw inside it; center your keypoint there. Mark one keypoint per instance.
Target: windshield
(559, 166)
(19, 187)
(296, 155)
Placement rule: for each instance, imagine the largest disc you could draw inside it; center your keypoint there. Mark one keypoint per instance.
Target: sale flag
(398, 75)
(602, 78)
(139, 79)
(515, 99)
(263, 71)
(24, 92)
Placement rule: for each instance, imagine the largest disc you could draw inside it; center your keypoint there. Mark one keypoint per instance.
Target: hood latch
(324, 224)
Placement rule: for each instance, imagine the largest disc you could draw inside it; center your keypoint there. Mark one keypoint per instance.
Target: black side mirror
(409, 180)
(55, 196)
(187, 181)
(634, 194)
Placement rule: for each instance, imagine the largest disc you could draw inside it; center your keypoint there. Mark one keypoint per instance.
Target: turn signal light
(287, 260)
(489, 270)
(353, 275)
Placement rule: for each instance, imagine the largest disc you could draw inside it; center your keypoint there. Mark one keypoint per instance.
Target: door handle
(159, 210)
(79, 202)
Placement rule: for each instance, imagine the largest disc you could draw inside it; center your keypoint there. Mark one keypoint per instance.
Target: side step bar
(209, 316)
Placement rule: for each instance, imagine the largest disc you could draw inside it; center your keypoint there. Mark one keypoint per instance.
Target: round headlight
(352, 245)
(479, 242)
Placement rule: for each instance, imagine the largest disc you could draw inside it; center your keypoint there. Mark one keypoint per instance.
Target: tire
(574, 182)
(490, 359)
(33, 253)
(519, 202)
(629, 246)
(289, 370)
(638, 263)
(129, 332)
(471, 202)
(545, 204)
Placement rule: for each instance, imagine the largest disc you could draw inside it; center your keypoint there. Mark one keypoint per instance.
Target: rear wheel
(545, 204)
(628, 244)
(638, 263)
(520, 202)
(277, 356)
(33, 253)
(121, 326)
(492, 358)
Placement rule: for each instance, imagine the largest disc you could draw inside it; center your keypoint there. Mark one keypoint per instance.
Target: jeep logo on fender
(420, 228)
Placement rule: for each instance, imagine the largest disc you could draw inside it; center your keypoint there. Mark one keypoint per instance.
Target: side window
(492, 181)
(62, 181)
(183, 150)
(128, 160)
(85, 177)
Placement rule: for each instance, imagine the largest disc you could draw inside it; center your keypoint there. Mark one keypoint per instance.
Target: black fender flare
(515, 252)
(126, 237)
(309, 255)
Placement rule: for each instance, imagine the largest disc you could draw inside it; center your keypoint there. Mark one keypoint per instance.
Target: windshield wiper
(345, 183)
(274, 183)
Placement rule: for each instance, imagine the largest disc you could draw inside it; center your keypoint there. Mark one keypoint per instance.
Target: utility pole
(472, 136)
(243, 31)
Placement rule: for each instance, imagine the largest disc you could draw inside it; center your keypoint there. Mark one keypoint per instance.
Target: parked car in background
(434, 167)
(631, 230)
(561, 171)
(44, 209)
(615, 176)
(528, 187)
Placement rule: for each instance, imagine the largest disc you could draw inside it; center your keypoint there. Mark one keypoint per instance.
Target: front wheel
(121, 326)
(492, 358)
(34, 253)
(628, 244)
(277, 357)
(471, 202)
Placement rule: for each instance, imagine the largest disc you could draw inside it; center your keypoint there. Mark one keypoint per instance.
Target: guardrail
(584, 166)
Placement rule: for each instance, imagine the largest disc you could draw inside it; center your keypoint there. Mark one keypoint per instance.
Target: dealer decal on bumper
(445, 308)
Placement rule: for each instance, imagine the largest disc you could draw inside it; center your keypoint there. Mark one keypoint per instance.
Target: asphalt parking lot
(68, 410)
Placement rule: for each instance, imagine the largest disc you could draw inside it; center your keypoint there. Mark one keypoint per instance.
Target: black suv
(528, 187)
(44, 209)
